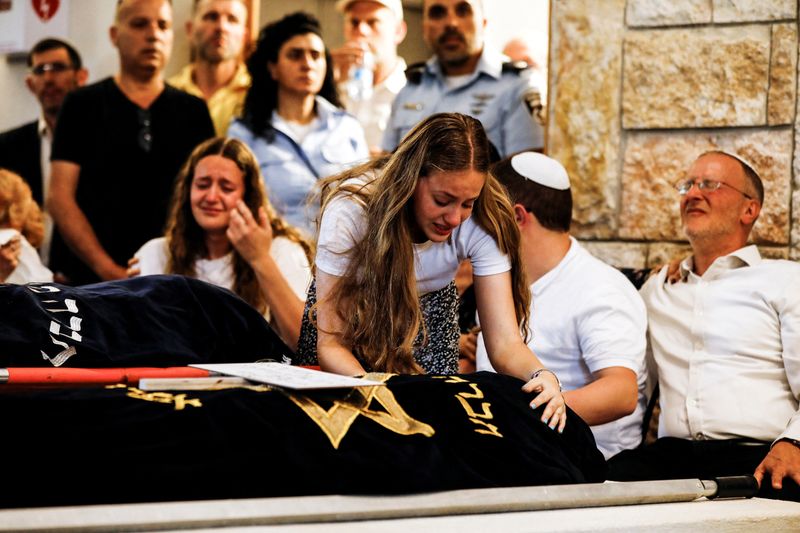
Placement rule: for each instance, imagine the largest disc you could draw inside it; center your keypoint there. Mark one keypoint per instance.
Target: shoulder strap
(414, 73)
(515, 67)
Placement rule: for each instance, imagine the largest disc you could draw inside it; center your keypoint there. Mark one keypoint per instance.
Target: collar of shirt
(326, 114)
(541, 284)
(397, 79)
(184, 80)
(746, 256)
(241, 80)
(490, 63)
(43, 129)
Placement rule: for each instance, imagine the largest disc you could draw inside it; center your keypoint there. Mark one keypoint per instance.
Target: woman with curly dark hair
(292, 118)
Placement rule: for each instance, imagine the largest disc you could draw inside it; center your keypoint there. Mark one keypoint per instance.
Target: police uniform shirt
(501, 95)
(292, 166)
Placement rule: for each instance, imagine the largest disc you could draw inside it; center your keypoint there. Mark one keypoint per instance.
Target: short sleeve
(612, 328)
(341, 227)
(523, 124)
(72, 130)
(152, 257)
(482, 251)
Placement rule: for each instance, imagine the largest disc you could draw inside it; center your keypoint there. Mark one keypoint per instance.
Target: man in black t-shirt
(118, 146)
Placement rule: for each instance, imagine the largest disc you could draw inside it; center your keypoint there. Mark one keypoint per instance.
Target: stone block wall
(639, 88)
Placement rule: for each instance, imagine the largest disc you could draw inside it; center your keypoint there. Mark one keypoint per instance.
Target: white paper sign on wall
(24, 22)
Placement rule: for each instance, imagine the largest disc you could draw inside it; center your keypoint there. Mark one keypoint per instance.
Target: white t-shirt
(343, 224)
(288, 255)
(29, 266)
(587, 316)
(297, 131)
(727, 348)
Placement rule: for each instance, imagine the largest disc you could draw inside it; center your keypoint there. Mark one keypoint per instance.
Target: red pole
(94, 376)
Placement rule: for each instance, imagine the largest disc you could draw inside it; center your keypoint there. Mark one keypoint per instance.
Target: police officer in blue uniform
(463, 76)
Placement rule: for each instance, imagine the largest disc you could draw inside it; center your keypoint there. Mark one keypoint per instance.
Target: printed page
(288, 376)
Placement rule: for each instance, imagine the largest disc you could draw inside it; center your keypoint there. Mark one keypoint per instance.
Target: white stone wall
(639, 88)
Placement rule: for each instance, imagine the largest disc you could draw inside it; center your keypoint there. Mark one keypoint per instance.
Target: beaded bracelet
(537, 372)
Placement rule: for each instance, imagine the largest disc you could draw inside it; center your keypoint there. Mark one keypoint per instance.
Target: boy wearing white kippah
(587, 321)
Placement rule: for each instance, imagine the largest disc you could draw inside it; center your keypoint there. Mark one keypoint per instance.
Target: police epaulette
(414, 72)
(515, 66)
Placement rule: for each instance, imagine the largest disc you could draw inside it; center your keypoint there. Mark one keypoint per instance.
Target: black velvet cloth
(416, 434)
(143, 321)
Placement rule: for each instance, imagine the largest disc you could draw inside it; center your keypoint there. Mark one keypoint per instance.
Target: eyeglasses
(55, 67)
(685, 186)
(145, 137)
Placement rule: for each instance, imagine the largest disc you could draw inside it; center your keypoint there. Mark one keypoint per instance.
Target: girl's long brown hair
(185, 238)
(377, 299)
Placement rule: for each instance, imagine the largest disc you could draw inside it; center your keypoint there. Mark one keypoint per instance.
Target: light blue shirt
(506, 101)
(291, 169)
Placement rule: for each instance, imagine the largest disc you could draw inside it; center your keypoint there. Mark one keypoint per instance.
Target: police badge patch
(533, 99)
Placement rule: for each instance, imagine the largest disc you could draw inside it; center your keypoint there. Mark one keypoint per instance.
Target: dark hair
(51, 43)
(551, 207)
(262, 97)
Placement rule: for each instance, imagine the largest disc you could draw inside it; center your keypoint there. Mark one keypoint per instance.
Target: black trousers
(672, 458)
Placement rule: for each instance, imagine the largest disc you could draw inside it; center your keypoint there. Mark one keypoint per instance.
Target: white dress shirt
(727, 348)
(46, 139)
(374, 112)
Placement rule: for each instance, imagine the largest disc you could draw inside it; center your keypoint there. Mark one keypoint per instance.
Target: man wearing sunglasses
(725, 341)
(55, 69)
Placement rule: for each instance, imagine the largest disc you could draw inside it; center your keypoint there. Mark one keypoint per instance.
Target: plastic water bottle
(359, 84)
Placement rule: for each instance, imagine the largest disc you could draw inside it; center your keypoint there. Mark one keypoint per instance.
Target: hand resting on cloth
(417, 433)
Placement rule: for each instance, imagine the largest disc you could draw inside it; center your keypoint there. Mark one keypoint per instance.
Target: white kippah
(740, 159)
(541, 169)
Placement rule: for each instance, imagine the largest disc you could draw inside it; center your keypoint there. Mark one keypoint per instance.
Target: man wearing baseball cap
(373, 29)
(587, 321)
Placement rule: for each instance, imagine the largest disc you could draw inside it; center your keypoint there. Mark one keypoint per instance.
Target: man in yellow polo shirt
(217, 32)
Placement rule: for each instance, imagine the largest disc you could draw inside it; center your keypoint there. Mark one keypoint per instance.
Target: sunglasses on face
(145, 135)
(55, 67)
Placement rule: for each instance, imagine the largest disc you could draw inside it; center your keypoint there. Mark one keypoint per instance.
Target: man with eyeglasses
(587, 323)
(725, 342)
(465, 76)
(118, 146)
(218, 33)
(55, 70)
